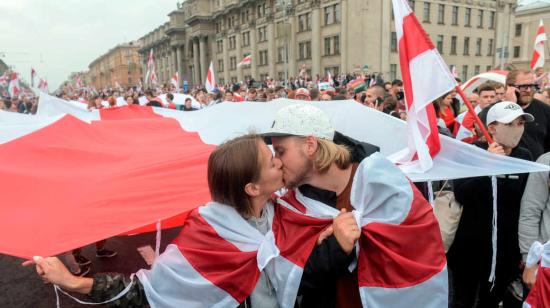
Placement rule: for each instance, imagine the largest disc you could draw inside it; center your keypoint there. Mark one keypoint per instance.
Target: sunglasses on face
(527, 87)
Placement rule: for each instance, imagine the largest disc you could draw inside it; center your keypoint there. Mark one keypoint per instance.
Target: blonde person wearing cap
(470, 256)
(320, 163)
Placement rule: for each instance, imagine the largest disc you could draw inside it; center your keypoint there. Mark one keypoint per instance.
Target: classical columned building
(337, 36)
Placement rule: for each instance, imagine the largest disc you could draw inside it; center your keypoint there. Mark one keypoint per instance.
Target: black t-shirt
(536, 137)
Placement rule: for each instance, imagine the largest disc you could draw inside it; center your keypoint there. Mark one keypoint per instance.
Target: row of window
(453, 48)
(331, 14)
(455, 11)
(333, 70)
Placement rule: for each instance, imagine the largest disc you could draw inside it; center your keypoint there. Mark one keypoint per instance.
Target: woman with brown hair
(244, 186)
(446, 110)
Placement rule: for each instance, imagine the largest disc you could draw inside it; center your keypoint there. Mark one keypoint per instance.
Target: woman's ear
(252, 189)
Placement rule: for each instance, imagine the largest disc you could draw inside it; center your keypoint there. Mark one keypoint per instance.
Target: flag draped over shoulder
(400, 251)
(218, 256)
(539, 296)
(417, 56)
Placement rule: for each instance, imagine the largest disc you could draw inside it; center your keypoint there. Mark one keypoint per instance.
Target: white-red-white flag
(78, 82)
(538, 52)
(175, 81)
(210, 83)
(151, 75)
(539, 257)
(417, 56)
(43, 85)
(329, 78)
(33, 76)
(246, 61)
(4, 78)
(14, 89)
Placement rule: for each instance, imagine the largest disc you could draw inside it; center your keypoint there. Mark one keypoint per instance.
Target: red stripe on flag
(294, 239)
(398, 256)
(219, 261)
(93, 181)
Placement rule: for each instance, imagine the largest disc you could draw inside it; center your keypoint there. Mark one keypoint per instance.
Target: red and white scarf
(539, 296)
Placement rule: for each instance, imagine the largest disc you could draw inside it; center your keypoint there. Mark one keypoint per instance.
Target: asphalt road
(22, 287)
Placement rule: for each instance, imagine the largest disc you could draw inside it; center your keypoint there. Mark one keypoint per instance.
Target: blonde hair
(329, 152)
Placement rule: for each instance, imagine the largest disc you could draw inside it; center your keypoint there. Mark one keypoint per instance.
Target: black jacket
(472, 247)
(328, 261)
(537, 134)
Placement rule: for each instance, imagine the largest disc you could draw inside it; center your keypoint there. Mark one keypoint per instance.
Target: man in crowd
(302, 94)
(520, 88)
(301, 135)
(466, 130)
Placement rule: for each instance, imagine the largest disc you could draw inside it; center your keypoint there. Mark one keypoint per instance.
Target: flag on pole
(151, 75)
(175, 80)
(329, 78)
(33, 75)
(418, 54)
(43, 85)
(78, 81)
(210, 83)
(303, 71)
(538, 52)
(14, 87)
(246, 61)
(4, 79)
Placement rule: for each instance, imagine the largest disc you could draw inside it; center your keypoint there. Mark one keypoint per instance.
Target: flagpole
(476, 117)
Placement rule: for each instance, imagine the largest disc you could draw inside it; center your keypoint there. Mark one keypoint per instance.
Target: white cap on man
(301, 120)
(507, 112)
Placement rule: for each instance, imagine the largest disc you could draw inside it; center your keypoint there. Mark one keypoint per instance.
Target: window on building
(232, 43)
(281, 55)
(332, 14)
(260, 10)
(219, 45)
(279, 29)
(490, 47)
(441, 14)
(466, 46)
(393, 71)
(262, 34)
(464, 72)
(478, 46)
(233, 63)
(454, 18)
(333, 70)
(518, 30)
(517, 51)
(439, 43)
(492, 20)
(453, 45)
(246, 39)
(477, 69)
(332, 45)
(304, 22)
(467, 17)
(393, 43)
(488, 68)
(480, 19)
(263, 57)
(426, 14)
(220, 65)
(234, 80)
(304, 50)
(245, 16)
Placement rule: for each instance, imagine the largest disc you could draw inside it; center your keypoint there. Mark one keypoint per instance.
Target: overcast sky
(58, 37)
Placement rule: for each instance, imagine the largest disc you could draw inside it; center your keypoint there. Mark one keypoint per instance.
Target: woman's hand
(530, 276)
(54, 271)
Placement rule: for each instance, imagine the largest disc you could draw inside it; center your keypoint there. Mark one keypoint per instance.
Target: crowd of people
(515, 114)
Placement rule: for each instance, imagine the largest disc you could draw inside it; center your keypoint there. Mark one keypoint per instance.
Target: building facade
(119, 65)
(320, 36)
(525, 26)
